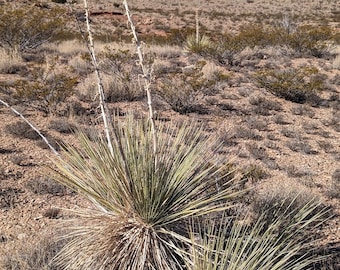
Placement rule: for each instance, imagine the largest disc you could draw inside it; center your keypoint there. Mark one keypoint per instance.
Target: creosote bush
(144, 198)
(28, 28)
(298, 85)
(46, 91)
(304, 40)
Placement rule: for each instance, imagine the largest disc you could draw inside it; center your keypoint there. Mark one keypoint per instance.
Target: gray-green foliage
(28, 28)
(234, 244)
(144, 199)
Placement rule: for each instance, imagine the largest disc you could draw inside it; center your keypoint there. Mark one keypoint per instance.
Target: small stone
(21, 236)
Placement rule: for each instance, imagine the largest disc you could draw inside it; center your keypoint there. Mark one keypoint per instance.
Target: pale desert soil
(25, 216)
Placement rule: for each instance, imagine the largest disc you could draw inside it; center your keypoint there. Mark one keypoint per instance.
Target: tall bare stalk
(31, 125)
(146, 76)
(103, 107)
(197, 27)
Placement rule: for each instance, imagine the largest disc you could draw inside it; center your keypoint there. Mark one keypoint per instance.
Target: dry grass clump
(334, 189)
(69, 48)
(45, 185)
(80, 65)
(34, 255)
(117, 86)
(62, 126)
(22, 130)
(10, 61)
(164, 51)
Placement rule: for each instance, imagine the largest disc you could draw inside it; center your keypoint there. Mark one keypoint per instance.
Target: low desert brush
(298, 85)
(28, 28)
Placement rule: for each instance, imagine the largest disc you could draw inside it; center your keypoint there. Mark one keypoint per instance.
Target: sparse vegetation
(46, 91)
(297, 85)
(28, 28)
(255, 87)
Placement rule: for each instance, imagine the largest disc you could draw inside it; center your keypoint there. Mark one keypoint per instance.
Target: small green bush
(28, 28)
(46, 91)
(311, 40)
(304, 40)
(297, 85)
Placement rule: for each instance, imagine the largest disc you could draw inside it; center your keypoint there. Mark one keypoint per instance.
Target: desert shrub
(297, 85)
(52, 213)
(183, 91)
(299, 145)
(62, 126)
(144, 198)
(254, 173)
(311, 40)
(281, 119)
(326, 146)
(124, 81)
(304, 40)
(259, 124)
(22, 130)
(298, 172)
(45, 185)
(59, 1)
(46, 90)
(290, 133)
(9, 197)
(230, 45)
(258, 152)
(303, 110)
(246, 133)
(28, 28)
(264, 105)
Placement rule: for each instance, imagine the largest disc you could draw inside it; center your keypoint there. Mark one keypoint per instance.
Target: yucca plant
(144, 198)
(198, 44)
(232, 244)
